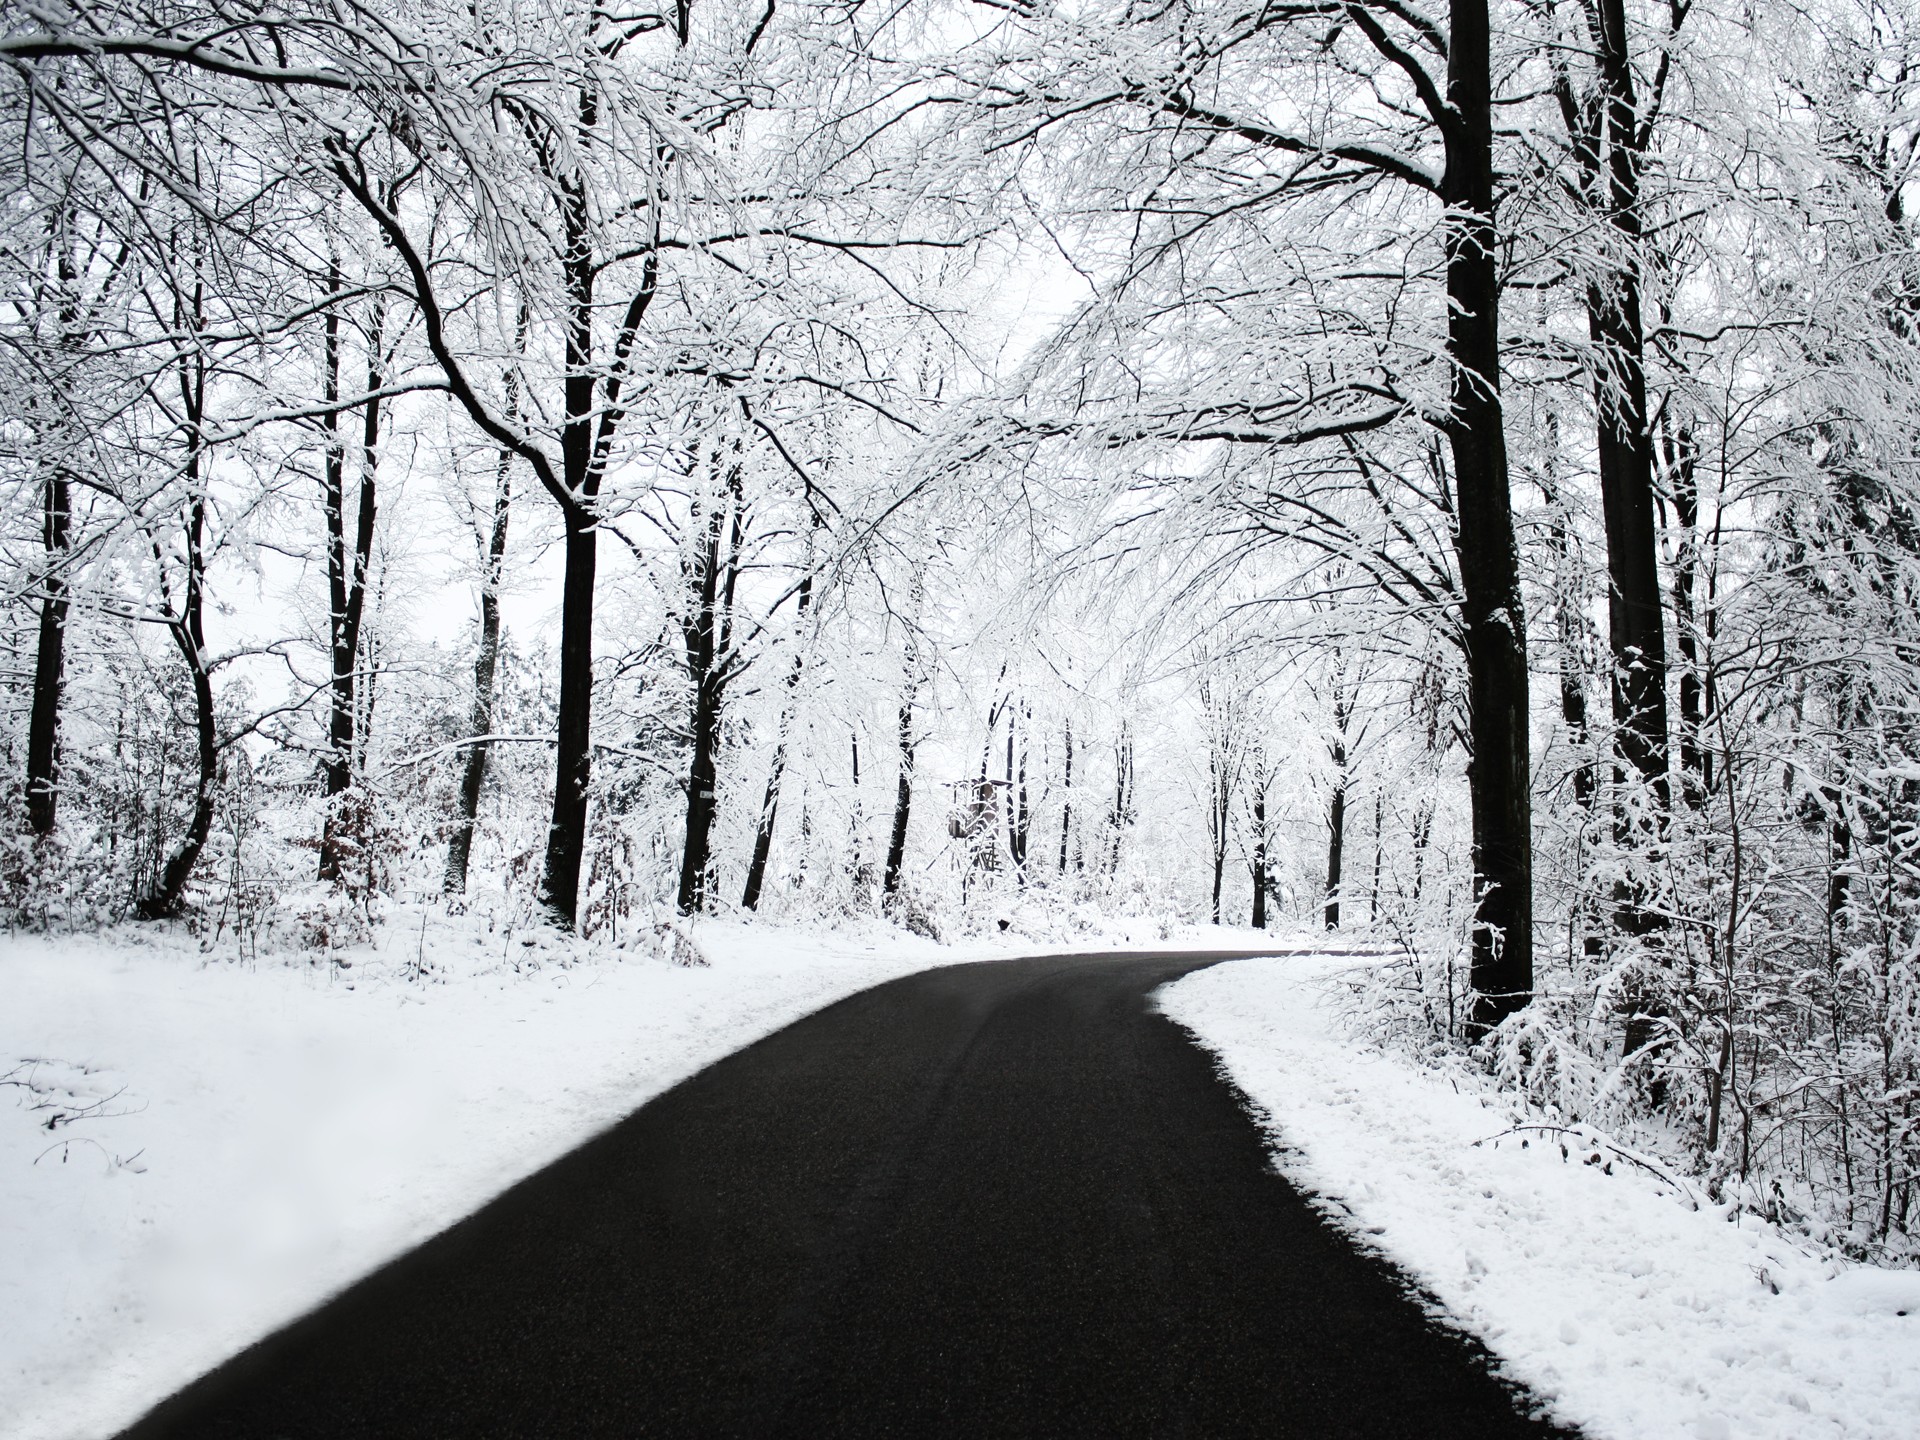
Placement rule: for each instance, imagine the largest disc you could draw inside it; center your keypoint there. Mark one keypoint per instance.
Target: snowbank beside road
(194, 1152)
(1630, 1313)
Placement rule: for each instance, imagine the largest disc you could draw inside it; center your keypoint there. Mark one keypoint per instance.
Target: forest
(1448, 474)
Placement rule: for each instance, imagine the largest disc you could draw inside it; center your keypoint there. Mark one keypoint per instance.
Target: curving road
(994, 1199)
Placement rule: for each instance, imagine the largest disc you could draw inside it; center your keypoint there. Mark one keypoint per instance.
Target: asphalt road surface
(993, 1199)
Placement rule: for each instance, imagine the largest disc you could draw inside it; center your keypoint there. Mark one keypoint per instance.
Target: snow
(1628, 1311)
(231, 1144)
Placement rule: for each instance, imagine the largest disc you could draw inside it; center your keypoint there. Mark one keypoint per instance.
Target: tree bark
(347, 571)
(1260, 850)
(1492, 617)
(49, 667)
(188, 630)
(1336, 839)
(903, 791)
(1636, 615)
(1379, 854)
(581, 470)
(770, 802)
(708, 635)
(486, 661)
(1122, 794)
(1066, 804)
(1019, 822)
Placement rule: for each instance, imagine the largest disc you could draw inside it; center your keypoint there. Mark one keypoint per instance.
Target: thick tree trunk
(1636, 623)
(573, 773)
(486, 661)
(582, 460)
(1492, 617)
(703, 781)
(347, 570)
(49, 667)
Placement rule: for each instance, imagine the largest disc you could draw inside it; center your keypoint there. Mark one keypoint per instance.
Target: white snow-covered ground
(230, 1145)
(1630, 1313)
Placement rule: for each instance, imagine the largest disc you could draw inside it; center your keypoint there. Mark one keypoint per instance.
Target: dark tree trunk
(1066, 804)
(1260, 852)
(1122, 795)
(903, 790)
(1379, 854)
(1336, 839)
(770, 802)
(347, 570)
(1636, 616)
(703, 782)
(708, 638)
(189, 637)
(567, 834)
(902, 800)
(1218, 819)
(486, 661)
(580, 482)
(1493, 622)
(1019, 822)
(49, 668)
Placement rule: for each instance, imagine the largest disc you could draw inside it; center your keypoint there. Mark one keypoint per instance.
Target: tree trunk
(1336, 839)
(486, 660)
(1337, 801)
(189, 637)
(1218, 819)
(1260, 851)
(1122, 795)
(1019, 823)
(582, 460)
(1066, 804)
(49, 668)
(567, 834)
(708, 636)
(903, 792)
(1636, 623)
(1379, 855)
(347, 571)
(1492, 617)
(770, 802)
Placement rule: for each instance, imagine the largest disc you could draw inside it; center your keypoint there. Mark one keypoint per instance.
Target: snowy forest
(1450, 474)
